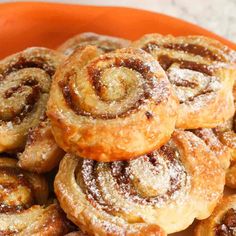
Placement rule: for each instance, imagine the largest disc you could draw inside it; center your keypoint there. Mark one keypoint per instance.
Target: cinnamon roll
(182, 178)
(202, 72)
(222, 222)
(21, 196)
(103, 42)
(41, 152)
(25, 83)
(114, 106)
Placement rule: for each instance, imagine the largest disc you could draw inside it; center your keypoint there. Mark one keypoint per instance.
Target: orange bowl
(49, 24)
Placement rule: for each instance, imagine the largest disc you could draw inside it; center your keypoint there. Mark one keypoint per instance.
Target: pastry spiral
(20, 195)
(202, 72)
(182, 178)
(25, 83)
(103, 42)
(41, 152)
(112, 106)
(222, 222)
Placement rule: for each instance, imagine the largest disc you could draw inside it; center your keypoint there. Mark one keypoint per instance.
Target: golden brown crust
(152, 230)
(221, 151)
(41, 152)
(111, 106)
(77, 233)
(231, 176)
(183, 178)
(21, 193)
(25, 84)
(226, 134)
(102, 42)
(202, 72)
(222, 221)
(35, 221)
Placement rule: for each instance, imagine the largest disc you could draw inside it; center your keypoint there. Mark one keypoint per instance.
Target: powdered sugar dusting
(153, 179)
(189, 84)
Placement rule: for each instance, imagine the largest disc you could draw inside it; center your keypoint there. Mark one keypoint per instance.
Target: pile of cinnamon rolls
(105, 136)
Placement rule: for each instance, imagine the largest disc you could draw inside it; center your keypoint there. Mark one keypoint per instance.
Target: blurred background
(218, 16)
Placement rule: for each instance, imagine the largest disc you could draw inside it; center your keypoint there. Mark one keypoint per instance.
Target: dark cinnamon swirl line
(14, 181)
(194, 49)
(151, 90)
(30, 80)
(103, 42)
(18, 88)
(123, 177)
(25, 83)
(33, 62)
(210, 54)
(153, 188)
(8, 232)
(122, 88)
(228, 223)
(120, 171)
(166, 61)
(24, 205)
(201, 70)
(9, 188)
(28, 107)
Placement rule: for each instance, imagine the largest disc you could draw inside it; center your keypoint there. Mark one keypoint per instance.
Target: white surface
(218, 16)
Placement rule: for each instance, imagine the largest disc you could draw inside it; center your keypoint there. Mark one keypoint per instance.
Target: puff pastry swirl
(25, 84)
(202, 72)
(103, 42)
(182, 178)
(111, 106)
(22, 199)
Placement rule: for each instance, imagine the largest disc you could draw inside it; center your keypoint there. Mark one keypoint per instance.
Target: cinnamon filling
(35, 133)
(133, 64)
(12, 208)
(15, 191)
(121, 172)
(186, 83)
(91, 186)
(149, 115)
(8, 232)
(151, 90)
(23, 62)
(166, 61)
(227, 227)
(32, 98)
(188, 48)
